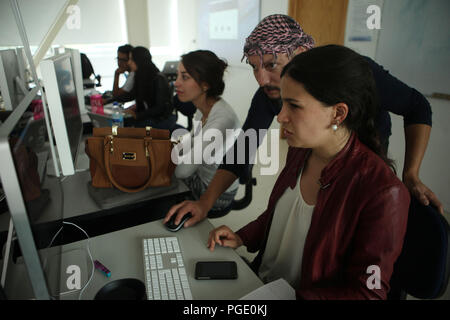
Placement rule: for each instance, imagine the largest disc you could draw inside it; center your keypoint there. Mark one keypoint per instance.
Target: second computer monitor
(78, 76)
(64, 107)
(10, 80)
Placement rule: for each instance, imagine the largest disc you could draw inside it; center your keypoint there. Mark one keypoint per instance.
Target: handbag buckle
(129, 156)
(114, 130)
(111, 143)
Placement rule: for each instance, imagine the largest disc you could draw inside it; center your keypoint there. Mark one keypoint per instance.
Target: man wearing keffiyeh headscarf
(270, 46)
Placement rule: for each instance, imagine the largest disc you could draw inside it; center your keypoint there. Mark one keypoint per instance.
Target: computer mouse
(171, 226)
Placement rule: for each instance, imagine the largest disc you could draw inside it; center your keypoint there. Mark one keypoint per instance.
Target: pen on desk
(99, 266)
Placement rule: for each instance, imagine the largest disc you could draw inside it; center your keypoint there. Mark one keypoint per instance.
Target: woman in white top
(200, 81)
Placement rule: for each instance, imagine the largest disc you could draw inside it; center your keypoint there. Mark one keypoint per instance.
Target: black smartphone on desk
(206, 270)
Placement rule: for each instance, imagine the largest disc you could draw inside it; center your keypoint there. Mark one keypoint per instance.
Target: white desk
(121, 253)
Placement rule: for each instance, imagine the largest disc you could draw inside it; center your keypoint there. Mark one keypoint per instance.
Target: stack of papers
(275, 290)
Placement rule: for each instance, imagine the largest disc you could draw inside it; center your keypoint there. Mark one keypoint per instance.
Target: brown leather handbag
(130, 159)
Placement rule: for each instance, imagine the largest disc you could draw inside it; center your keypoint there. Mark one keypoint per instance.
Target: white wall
(173, 28)
(356, 27)
(100, 22)
(269, 7)
(240, 84)
(137, 22)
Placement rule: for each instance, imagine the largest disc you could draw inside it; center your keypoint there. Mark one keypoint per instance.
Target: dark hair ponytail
(145, 73)
(143, 59)
(205, 66)
(334, 74)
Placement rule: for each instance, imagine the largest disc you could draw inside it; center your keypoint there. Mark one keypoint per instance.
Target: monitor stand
(82, 163)
(50, 167)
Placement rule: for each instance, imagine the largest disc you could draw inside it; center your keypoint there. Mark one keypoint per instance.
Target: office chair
(242, 203)
(2, 294)
(422, 269)
(186, 108)
(87, 70)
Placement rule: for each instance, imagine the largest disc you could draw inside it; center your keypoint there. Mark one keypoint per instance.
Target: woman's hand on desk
(196, 208)
(224, 237)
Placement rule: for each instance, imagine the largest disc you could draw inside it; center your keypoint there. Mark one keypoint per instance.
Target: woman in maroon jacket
(336, 218)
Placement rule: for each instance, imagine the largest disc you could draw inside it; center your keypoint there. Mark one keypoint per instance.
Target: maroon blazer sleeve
(253, 233)
(378, 241)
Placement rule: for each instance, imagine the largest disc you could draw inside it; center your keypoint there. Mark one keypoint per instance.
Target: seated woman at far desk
(151, 91)
(337, 212)
(200, 81)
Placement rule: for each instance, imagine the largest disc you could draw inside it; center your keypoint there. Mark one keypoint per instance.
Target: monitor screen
(34, 209)
(64, 108)
(24, 69)
(78, 76)
(69, 101)
(10, 79)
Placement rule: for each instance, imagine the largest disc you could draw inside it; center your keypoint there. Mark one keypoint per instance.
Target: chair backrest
(186, 108)
(87, 70)
(422, 269)
(238, 204)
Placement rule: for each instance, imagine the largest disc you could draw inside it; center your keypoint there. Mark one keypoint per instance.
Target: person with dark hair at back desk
(151, 91)
(270, 46)
(123, 55)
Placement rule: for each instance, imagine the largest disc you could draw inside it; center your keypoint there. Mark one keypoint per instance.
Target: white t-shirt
(284, 250)
(129, 84)
(220, 118)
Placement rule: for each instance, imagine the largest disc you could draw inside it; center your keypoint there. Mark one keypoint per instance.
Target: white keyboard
(165, 275)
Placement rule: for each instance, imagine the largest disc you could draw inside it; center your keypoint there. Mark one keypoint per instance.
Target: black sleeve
(186, 108)
(127, 96)
(159, 102)
(397, 97)
(260, 116)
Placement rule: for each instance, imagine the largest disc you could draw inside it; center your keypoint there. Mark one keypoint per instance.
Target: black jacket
(156, 102)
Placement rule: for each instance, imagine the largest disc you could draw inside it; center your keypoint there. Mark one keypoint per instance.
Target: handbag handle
(116, 184)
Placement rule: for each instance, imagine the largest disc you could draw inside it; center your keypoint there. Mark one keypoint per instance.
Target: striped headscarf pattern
(275, 34)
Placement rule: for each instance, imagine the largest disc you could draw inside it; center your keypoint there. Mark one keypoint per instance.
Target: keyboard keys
(159, 261)
(166, 277)
(152, 262)
(157, 247)
(177, 283)
(147, 263)
(162, 242)
(151, 250)
(180, 260)
(155, 285)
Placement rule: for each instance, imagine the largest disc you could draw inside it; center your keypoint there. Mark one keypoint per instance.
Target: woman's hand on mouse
(194, 207)
(225, 237)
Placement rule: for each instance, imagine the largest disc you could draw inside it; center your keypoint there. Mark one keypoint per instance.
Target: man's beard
(268, 88)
